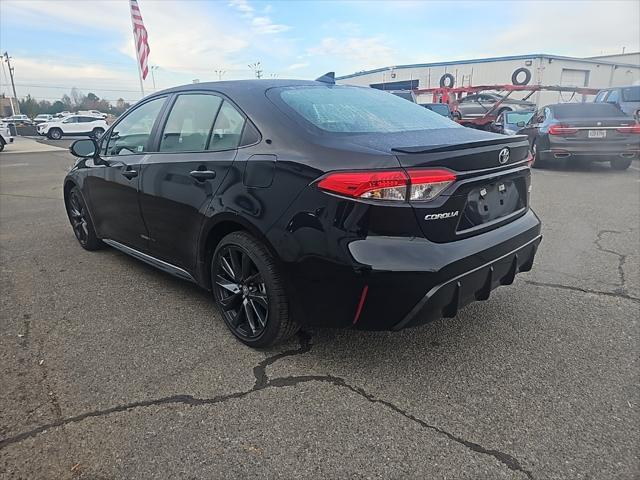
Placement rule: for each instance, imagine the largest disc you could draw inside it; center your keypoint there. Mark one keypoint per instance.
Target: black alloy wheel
(249, 289)
(81, 221)
(242, 293)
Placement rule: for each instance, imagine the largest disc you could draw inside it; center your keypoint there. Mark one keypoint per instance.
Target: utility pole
(256, 69)
(7, 59)
(220, 73)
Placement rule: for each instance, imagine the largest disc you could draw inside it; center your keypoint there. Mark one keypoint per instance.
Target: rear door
(113, 189)
(195, 148)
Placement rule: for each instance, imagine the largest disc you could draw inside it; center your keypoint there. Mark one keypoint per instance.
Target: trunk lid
(491, 187)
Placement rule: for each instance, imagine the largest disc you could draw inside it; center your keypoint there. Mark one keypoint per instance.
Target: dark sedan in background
(582, 131)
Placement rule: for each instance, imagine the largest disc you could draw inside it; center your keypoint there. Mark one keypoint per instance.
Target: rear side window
(345, 109)
(631, 94)
(131, 134)
(190, 123)
(228, 128)
(586, 110)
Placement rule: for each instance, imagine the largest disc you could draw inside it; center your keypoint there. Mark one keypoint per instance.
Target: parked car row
(22, 120)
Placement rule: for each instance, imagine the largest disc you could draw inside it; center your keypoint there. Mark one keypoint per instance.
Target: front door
(113, 188)
(196, 149)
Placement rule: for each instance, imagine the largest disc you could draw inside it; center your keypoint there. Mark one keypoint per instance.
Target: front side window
(131, 134)
(600, 97)
(613, 96)
(346, 109)
(190, 122)
(70, 120)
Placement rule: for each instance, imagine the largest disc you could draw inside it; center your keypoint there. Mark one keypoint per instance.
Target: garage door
(572, 78)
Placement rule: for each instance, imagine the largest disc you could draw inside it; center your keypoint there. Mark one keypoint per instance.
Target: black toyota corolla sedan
(308, 203)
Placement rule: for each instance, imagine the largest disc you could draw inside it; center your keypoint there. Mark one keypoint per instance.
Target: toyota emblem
(503, 156)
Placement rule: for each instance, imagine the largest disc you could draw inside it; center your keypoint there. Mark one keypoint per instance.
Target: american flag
(140, 37)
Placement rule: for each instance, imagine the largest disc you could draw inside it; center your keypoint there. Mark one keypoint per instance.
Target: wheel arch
(214, 231)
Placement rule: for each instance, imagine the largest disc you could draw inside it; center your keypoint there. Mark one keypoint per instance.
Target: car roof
(232, 87)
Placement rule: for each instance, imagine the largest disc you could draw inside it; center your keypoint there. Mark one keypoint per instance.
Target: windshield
(514, 118)
(348, 109)
(586, 110)
(631, 94)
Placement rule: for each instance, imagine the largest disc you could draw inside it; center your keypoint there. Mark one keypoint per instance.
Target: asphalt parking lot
(111, 369)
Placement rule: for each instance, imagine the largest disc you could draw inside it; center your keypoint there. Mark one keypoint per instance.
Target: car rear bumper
(403, 282)
(590, 150)
(445, 299)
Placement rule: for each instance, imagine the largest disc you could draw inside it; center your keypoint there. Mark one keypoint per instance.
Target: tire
(55, 134)
(81, 221)
(620, 163)
(257, 313)
(1, 145)
(456, 115)
(97, 133)
(517, 72)
(447, 81)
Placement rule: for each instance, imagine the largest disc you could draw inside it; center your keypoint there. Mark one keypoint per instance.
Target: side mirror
(85, 148)
(520, 124)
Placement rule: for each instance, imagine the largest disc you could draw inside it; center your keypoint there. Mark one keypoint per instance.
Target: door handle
(202, 175)
(130, 173)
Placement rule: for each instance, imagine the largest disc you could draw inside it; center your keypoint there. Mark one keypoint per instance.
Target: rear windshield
(586, 110)
(631, 94)
(346, 109)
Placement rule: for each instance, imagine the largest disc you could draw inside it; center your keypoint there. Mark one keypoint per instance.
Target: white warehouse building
(549, 70)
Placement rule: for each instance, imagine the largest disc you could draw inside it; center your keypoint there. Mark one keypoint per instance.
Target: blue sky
(60, 44)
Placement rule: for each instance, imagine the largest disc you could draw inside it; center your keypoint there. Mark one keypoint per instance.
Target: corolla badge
(441, 216)
(503, 156)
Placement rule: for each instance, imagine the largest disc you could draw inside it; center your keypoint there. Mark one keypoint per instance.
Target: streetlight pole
(7, 59)
(153, 77)
(256, 69)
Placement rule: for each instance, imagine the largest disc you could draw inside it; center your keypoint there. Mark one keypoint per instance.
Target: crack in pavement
(263, 382)
(560, 286)
(622, 258)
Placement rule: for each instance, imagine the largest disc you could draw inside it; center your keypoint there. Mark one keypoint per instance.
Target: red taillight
(428, 184)
(562, 130)
(421, 185)
(384, 184)
(630, 129)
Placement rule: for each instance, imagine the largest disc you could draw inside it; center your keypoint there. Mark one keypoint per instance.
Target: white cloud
(360, 52)
(297, 66)
(261, 24)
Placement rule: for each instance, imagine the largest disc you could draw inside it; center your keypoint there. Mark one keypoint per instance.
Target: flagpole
(135, 46)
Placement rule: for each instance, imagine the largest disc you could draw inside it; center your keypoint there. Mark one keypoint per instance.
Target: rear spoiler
(461, 146)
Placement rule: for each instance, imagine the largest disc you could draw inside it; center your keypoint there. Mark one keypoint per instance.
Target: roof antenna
(329, 77)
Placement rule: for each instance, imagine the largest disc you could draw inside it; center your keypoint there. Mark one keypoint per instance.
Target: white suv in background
(73, 125)
(5, 135)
